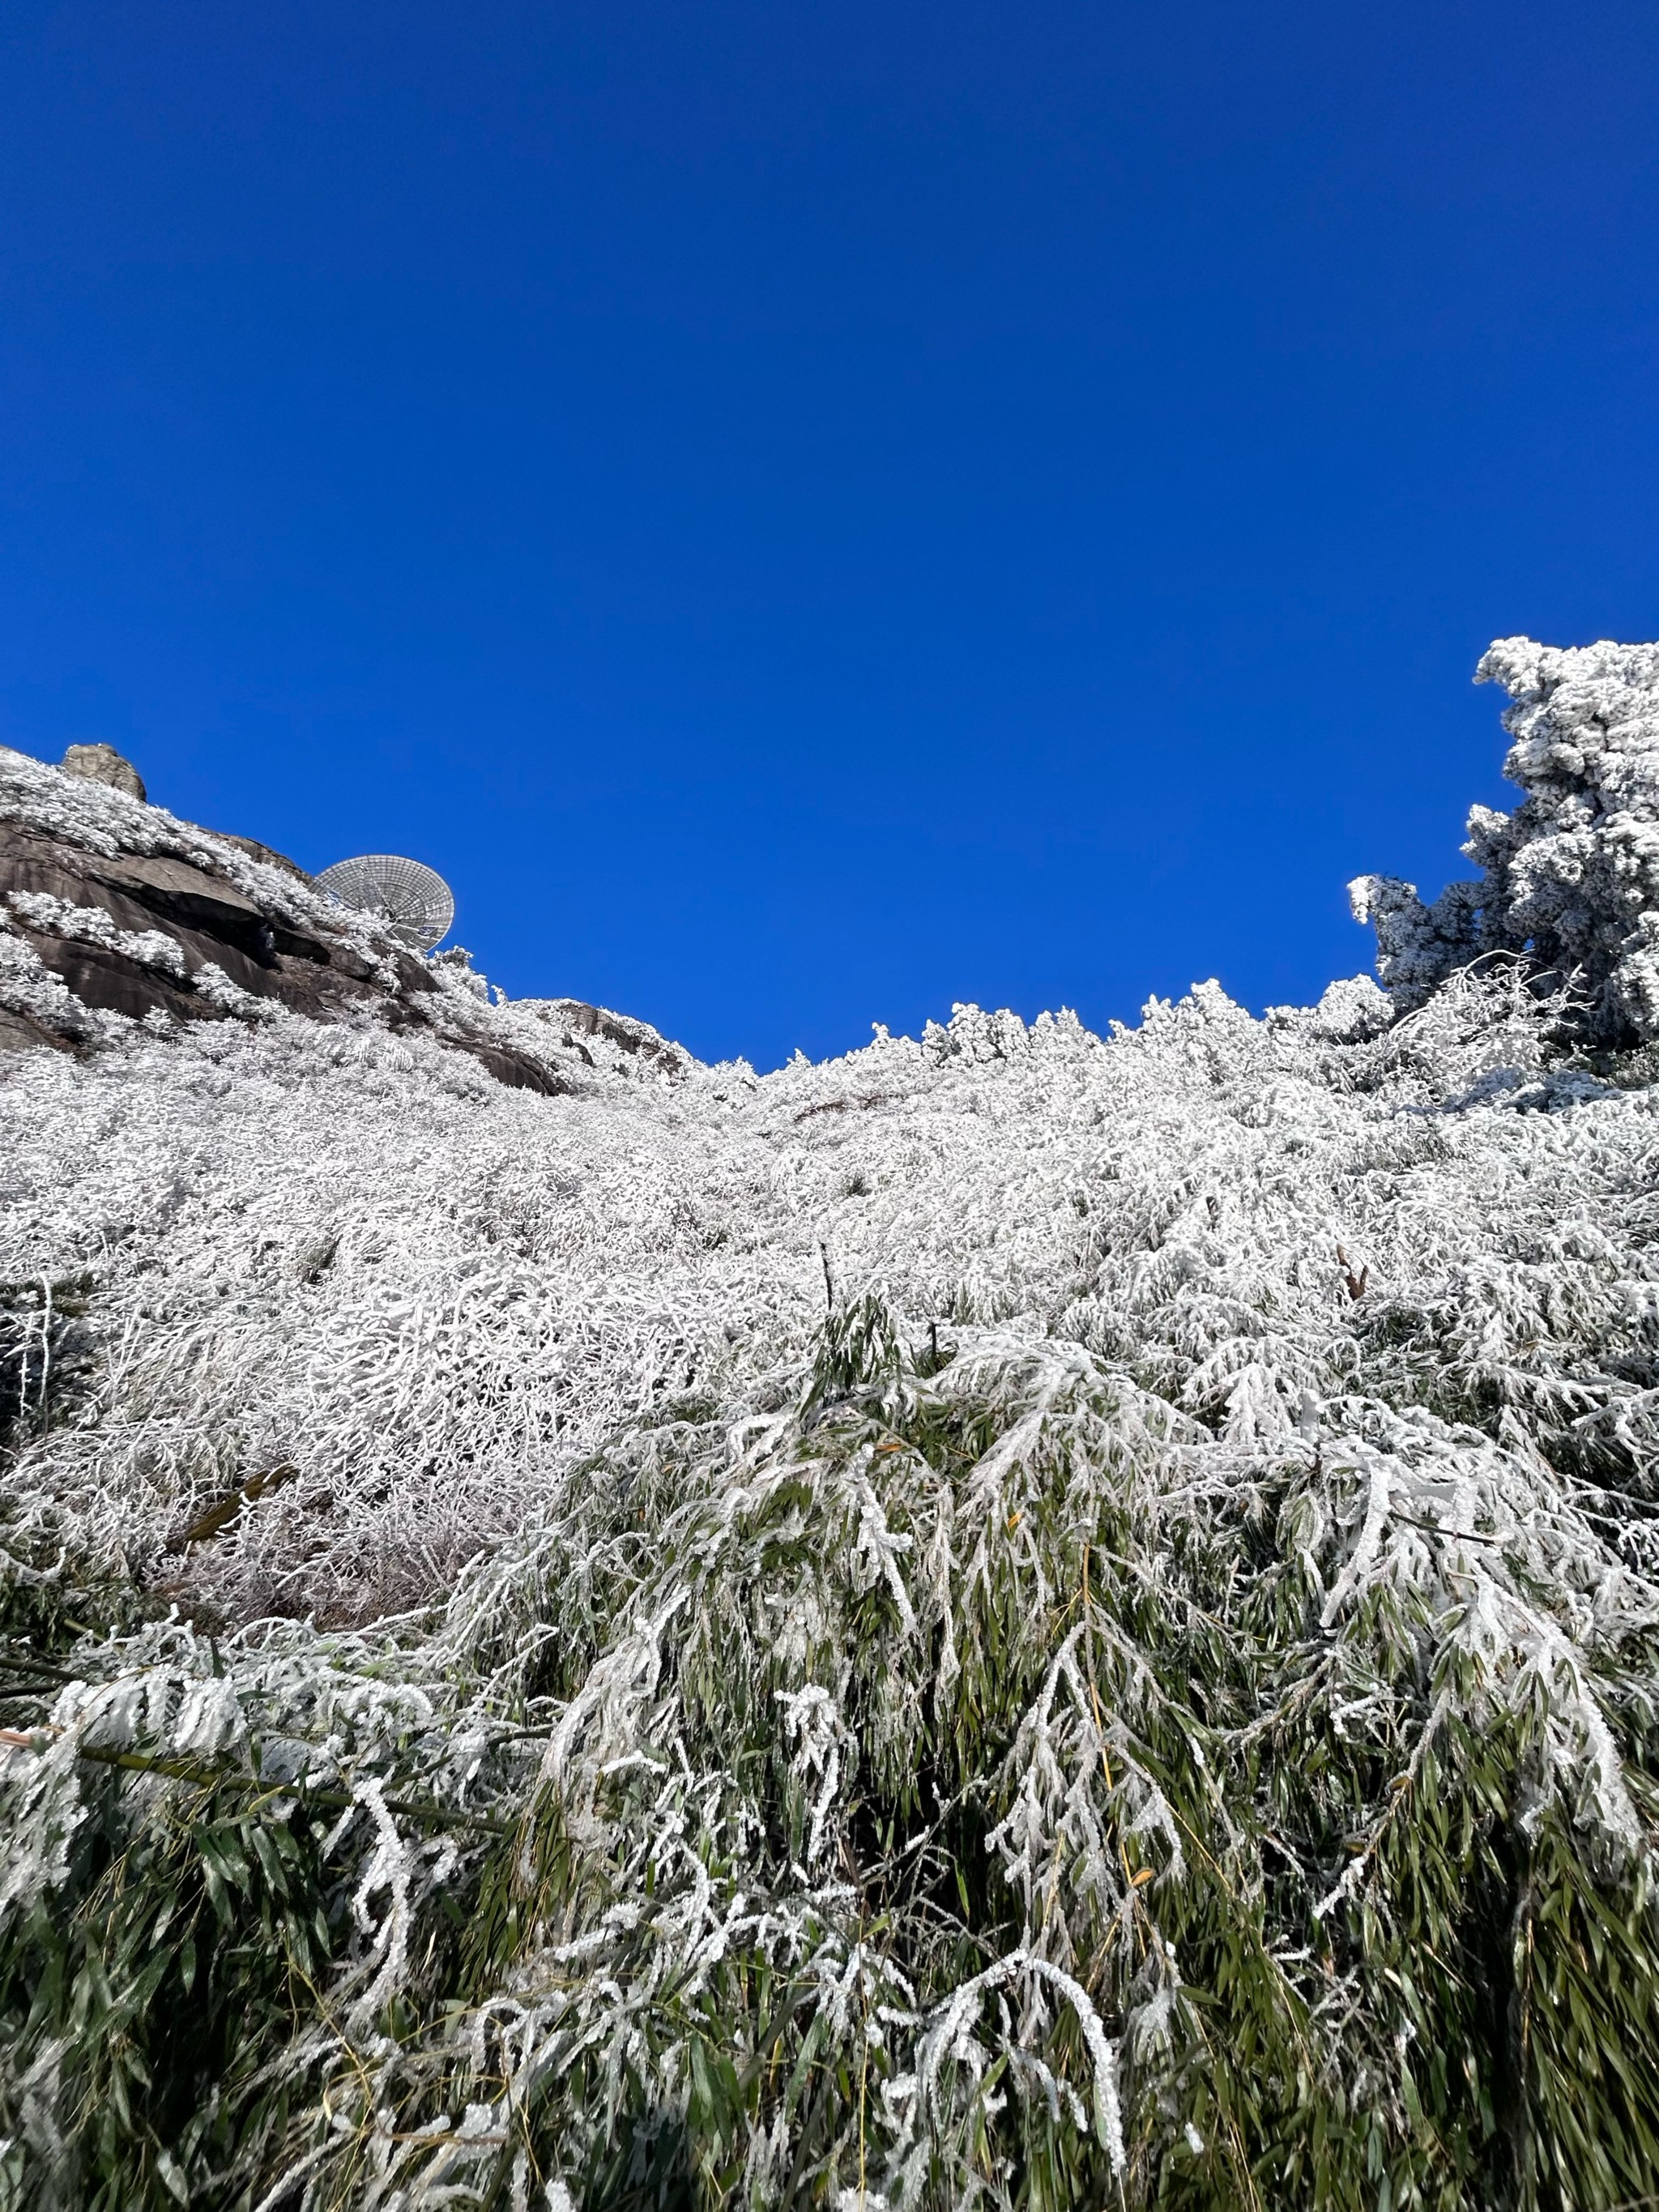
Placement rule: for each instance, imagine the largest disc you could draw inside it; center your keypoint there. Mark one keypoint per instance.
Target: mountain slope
(1016, 1617)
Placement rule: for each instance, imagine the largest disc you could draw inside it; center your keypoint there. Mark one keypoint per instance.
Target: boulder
(265, 854)
(576, 1018)
(101, 763)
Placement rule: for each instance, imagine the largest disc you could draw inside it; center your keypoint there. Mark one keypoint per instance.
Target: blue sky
(808, 513)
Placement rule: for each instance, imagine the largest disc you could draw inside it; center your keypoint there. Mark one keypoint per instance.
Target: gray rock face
(101, 763)
(109, 908)
(262, 952)
(578, 1020)
(256, 851)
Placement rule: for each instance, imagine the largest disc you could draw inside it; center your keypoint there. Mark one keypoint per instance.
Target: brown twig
(1356, 1283)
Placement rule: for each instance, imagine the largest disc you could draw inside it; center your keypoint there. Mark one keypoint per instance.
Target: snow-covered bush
(1570, 879)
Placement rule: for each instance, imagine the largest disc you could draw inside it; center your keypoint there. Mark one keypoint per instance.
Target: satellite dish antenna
(414, 901)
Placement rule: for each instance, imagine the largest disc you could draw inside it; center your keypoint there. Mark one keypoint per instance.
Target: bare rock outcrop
(113, 911)
(101, 763)
(575, 1019)
(109, 907)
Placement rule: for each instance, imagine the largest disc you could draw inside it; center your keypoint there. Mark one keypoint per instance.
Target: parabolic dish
(414, 900)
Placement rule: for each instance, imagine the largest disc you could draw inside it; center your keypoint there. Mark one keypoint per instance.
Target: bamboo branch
(184, 1770)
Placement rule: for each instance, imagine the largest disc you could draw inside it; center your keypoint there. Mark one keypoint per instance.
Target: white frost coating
(28, 986)
(211, 982)
(40, 1802)
(815, 1728)
(949, 2039)
(210, 1720)
(90, 925)
(1357, 1572)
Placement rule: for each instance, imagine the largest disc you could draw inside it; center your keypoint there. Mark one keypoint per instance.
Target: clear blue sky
(805, 513)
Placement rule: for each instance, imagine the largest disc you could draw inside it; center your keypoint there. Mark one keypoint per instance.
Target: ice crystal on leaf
(1015, 1618)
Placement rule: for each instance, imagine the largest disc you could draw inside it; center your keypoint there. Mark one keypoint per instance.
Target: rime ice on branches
(1570, 882)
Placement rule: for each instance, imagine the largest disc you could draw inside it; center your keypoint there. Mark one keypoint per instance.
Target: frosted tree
(1570, 877)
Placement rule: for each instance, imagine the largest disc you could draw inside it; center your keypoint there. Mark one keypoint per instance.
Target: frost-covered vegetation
(1014, 1619)
(1570, 879)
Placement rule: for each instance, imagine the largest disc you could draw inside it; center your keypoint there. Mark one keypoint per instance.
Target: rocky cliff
(115, 913)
